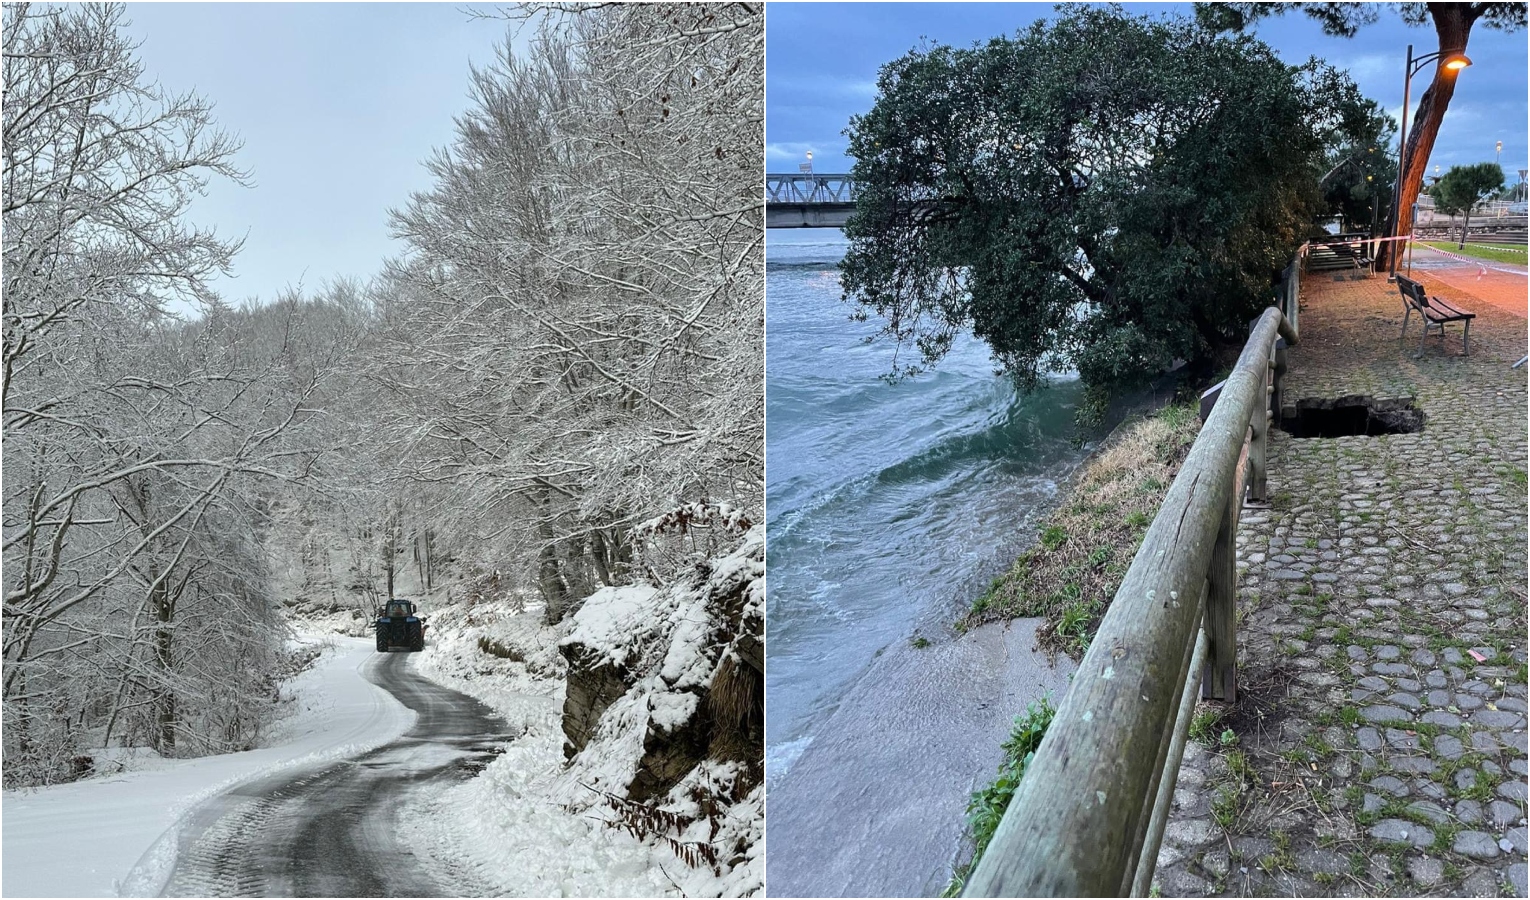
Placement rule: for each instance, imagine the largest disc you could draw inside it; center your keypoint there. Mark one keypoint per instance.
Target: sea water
(890, 504)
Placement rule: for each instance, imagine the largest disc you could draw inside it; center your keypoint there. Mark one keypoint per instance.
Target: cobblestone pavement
(1378, 745)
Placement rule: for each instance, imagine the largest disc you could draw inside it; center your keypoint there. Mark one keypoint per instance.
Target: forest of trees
(570, 345)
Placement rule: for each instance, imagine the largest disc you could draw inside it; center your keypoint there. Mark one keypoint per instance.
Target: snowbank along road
(330, 830)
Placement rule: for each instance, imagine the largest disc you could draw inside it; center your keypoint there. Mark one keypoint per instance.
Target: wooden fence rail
(1087, 818)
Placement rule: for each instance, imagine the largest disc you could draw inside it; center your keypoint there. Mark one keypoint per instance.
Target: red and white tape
(1484, 268)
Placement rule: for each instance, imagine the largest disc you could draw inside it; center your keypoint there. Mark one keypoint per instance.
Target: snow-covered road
(119, 835)
(332, 830)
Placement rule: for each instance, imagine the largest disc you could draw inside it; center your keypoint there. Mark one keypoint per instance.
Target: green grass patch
(986, 808)
(1478, 251)
(1083, 549)
(1204, 726)
(1224, 807)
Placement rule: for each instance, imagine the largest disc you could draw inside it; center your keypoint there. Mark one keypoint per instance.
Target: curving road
(329, 830)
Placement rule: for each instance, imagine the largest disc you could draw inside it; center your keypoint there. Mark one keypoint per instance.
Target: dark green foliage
(1358, 186)
(1102, 192)
(1346, 19)
(987, 806)
(1463, 187)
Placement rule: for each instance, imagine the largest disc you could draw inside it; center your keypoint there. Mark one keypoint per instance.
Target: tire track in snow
(332, 830)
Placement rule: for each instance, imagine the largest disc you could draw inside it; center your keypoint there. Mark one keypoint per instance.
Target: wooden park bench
(1435, 312)
(1356, 254)
(1340, 255)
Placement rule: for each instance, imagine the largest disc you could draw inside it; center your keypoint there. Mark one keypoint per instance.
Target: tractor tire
(416, 639)
(382, 641)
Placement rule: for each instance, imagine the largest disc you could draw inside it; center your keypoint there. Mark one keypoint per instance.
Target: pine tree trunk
(1453, 24)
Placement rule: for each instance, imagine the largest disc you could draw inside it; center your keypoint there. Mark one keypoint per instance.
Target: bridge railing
(809, 188)
(1088, 817)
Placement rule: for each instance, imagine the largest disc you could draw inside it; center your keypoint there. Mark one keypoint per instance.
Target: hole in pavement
(1315, 417)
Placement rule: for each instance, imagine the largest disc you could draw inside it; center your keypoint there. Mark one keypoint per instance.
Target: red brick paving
(1484, 282)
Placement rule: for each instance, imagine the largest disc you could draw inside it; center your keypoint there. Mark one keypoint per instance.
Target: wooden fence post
(1220, 679)
(1259, 422)
(1278, 403)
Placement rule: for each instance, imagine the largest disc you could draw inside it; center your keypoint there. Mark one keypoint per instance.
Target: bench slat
(1450, 312)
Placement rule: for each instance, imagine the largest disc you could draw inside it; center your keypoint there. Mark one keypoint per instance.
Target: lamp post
(1451, 61)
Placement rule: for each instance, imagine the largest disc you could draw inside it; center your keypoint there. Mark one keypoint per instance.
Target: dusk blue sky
(337, 103)
(823, 60)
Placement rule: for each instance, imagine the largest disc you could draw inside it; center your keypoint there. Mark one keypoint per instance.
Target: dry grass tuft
(736, 701)
(1085, 547)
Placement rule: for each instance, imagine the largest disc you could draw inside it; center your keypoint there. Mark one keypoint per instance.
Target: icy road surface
(120, 834)
(331, 830)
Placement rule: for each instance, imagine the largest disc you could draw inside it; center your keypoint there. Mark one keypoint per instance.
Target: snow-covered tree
(134, 597)
(575, 338)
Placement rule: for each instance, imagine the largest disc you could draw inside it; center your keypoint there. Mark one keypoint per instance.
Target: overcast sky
(824, 57)
(337, 104)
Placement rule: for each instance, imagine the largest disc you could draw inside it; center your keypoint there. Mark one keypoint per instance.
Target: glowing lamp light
(1452, 61)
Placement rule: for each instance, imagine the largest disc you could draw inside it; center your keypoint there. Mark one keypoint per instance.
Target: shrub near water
(986, 809)
(1085, 547)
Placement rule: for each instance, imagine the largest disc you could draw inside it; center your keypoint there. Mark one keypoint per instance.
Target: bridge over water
(808, 201)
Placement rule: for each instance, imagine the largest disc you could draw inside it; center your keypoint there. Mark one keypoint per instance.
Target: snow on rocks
(638, 773)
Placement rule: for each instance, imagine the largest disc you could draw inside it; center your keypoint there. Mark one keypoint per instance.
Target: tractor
(398, 626)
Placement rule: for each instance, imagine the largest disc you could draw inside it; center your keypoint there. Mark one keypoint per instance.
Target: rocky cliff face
(676, 674)
(664, 711)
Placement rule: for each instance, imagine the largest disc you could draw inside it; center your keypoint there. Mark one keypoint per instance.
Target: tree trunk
(599, 555)
(422, 560)
(389, 544)
(1453, 24)
(554, 584)
(164, 645)
(1466, 221)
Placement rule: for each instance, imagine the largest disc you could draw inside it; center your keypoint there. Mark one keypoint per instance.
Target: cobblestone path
(1378, 746)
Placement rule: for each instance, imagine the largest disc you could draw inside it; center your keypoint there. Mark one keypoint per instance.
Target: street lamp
(1450, 61)
(1497, 152)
